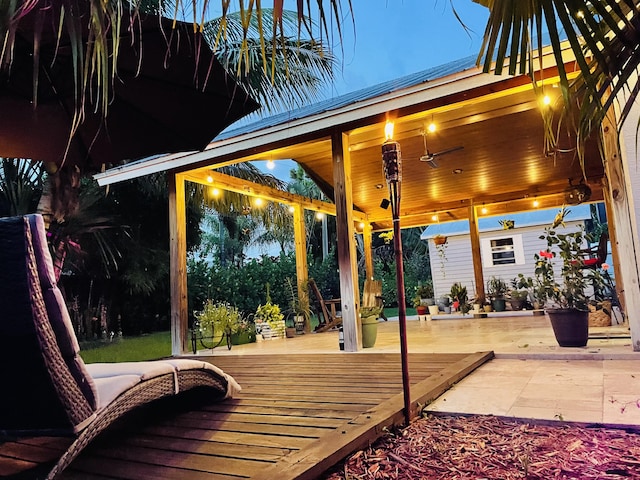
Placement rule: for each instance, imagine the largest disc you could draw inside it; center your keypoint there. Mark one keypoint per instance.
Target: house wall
(458, 266)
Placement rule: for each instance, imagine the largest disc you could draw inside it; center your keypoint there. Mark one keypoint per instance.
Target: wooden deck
(295, 418)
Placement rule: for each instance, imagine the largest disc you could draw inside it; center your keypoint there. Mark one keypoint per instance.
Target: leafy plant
(370, 312)
(496, 287)
(459, 295)
(570, 291)
(216, 319)
(299, 305)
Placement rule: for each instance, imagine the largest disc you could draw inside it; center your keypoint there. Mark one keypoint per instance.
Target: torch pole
(392, 164)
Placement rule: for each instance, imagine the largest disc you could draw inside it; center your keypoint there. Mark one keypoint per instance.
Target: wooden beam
(613, 240)
(178, 264)
(252, 189)
(618, 169)
(347, 260)
(476, 255)
(302, 270)
(367, 232)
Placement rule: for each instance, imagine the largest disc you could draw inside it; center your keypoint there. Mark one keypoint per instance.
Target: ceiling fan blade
(428, 158)
(449, 150)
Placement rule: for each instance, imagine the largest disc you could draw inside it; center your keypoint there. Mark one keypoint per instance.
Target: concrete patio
(530, 377)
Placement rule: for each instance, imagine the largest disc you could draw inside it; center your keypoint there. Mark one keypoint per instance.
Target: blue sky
(394, 38)
(398, 37)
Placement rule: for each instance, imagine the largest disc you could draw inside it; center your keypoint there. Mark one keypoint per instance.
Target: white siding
(459, 263)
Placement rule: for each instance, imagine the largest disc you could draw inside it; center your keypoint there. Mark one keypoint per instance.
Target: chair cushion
(57, 311)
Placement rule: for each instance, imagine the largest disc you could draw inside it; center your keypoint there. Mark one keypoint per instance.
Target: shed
(505, 252)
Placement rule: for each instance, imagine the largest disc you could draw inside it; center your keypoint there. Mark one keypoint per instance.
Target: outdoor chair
(330, 318)
(372, 296)
(48, 390)
(595, 256)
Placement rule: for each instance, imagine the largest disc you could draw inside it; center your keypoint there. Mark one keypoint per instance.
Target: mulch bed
(485, 447)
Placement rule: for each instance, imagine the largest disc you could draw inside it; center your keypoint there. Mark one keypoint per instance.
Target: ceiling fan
(429, 157)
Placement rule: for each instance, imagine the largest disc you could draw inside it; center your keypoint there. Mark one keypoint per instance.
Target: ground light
(392, 165)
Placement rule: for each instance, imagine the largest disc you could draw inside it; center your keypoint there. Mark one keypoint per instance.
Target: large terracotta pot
(570, 326)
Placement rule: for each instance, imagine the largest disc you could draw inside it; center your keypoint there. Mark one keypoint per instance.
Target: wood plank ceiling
(501, 166)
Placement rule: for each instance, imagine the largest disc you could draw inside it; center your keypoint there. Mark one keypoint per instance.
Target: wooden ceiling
(502, 165)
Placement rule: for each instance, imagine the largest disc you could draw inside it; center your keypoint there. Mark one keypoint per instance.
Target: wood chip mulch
(486, 447)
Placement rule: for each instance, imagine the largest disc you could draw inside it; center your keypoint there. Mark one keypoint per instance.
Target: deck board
(294, 419)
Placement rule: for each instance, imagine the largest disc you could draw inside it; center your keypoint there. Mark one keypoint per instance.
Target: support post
(178, 264)
(475, 254)
(347, 260)
(302, 270)
(367, 232)
(618, 169)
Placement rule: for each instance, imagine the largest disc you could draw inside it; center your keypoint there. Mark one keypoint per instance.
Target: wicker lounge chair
(48, 390)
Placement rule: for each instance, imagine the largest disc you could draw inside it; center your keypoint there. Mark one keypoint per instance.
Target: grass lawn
(155, 345)
(130, 349)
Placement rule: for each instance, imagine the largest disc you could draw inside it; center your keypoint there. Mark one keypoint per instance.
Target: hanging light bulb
(483, 210)
(319, 215)
(209, 179)
(271, 164)
(434, 217)
(432, 127)
(258, 202)
(536, 203)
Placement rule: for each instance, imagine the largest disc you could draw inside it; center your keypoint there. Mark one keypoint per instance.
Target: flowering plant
(569, 292)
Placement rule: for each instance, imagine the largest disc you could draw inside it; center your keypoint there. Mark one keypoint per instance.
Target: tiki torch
(392, 165)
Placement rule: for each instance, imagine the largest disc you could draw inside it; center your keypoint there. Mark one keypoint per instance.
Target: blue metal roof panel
(373, 91)
(490, 223)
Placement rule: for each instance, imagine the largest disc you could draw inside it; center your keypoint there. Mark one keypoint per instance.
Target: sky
(393, 38)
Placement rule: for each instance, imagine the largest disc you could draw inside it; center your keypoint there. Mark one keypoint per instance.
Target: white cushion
(110, 388)
(144, 370)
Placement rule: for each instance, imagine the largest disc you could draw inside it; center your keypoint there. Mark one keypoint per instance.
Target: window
(502, 251)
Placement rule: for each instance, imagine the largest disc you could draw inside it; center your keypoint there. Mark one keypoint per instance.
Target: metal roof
(351, 98)
(490, 223)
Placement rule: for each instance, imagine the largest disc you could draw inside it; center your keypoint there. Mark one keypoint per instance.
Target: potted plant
(423, 297)
(299, 307)
(215, 323)
(444, 303)
(440, 241)
(535, 292)
(566, 303)
(417, 304)
(269, 319)
(496, 290)
(519, 294)
(460, 298)
(369, 320)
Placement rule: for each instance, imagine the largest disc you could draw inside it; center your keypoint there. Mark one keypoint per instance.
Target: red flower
(605, 266)
(546, 254)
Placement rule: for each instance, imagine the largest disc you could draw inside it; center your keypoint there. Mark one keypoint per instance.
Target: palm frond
(281, 74)
(604, 37)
